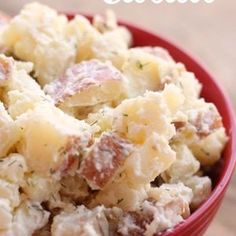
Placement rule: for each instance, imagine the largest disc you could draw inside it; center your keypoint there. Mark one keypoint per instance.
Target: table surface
(206, 30)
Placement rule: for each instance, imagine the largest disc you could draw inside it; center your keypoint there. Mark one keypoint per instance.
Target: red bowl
(197, 223)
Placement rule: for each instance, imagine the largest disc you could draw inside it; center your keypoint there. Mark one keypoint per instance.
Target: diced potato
(28, 218)
(139, 117)
(185, 164)
(189, 84)
(201, 187)
(6, 67)
(9, 132)
(121, 194)
(38, 34)
(204, 117)
(81, 222)
(6, 215)
(105, 41)
(114, 41)
(74, 188)
(10, 191)
(203, 132)
(52, 141)
(87, 84)
(209, 149)
(39, 188)
(149, 160)
(166, 193)
(111, 46)
(102, 119)
(104, 160)
(147, 72)
(20, 102)
(174, 98)
(21, 92)
(84, 34)
(158, 52)
(12, 168)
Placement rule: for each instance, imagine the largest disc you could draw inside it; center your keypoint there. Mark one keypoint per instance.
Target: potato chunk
(185, 164)
(87, 84)
(52, 141)
(20, 91)
(201, 187)
(38, 34)
(145, 71)
(158, 52)
(152, 218)
(122, 194)
(104, 160)
(9, 132)
(12, 168)
(149, 160)
(139, 117)
(6, 67)
(10, 191)
(5, 214)
(82, 221)
(29, 217)
(203, 132)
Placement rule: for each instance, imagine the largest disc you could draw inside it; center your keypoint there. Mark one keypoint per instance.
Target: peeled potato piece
(38, 35)
(9, 132)
(20, 91)
(149, 160)
(52, 141)
(82, 221)
(137, 118)
(157, 52)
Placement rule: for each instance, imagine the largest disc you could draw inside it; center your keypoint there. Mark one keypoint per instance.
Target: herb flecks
(120, 200)
(11, 163)
(141, 65)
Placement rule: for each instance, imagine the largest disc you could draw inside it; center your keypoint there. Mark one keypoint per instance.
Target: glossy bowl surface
(197, 223)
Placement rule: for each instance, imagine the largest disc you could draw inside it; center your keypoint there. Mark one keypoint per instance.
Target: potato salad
(98, 137)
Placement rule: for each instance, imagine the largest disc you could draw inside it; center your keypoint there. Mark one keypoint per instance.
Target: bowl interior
(212, 92)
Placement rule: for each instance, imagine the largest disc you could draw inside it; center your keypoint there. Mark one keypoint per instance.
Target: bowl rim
(218, 191)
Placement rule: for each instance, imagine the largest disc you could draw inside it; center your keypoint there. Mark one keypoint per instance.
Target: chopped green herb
(120, 200)
(126, 115)
(21, 166)
(94, 122)
(140, 65)
(10, 164)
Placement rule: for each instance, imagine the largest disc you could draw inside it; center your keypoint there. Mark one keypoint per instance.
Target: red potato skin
(214, 122)
(72, 154)
(104, 160)
(5, 69)
(80, 77)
